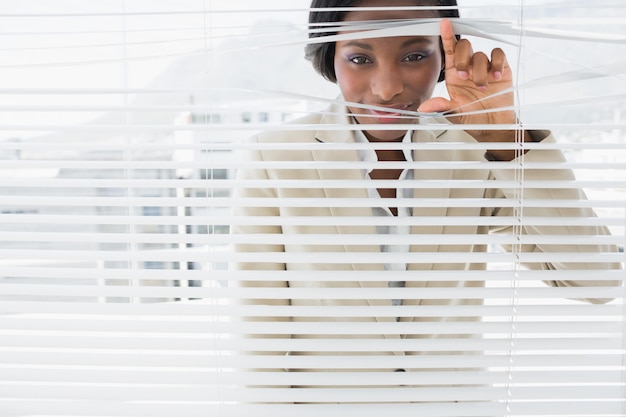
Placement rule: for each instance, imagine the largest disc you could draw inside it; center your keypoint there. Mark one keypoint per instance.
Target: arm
(478, 85)
(245, 211)
(555, 156)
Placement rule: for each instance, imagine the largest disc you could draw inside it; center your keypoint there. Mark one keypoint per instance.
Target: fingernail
(497, 75)
(463, 75)
(481, 87)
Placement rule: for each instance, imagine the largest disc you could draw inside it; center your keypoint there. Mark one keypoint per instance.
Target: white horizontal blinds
(125, 124)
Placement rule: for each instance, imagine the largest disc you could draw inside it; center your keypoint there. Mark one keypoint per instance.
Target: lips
(392, 115)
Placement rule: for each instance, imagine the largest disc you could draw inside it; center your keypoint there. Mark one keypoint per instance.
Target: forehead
(382, 14)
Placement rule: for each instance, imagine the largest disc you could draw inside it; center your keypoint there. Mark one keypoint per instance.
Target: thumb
(435, 105)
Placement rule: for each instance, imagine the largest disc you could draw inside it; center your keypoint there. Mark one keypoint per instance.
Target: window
(122, 131)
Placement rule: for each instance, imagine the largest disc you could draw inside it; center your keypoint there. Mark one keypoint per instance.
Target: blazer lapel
(337, 116)
(328, 154)
(436, 228)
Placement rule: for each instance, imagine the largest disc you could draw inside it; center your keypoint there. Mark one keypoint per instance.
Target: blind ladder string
(518, 226)
(208, 33)
(127, 155)
(623, 372)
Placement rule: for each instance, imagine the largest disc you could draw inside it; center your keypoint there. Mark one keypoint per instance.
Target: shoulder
(302, 129)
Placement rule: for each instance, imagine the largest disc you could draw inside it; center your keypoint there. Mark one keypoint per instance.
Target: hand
(471, 77)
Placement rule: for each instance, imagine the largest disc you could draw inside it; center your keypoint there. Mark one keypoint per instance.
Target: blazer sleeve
(251, 186)
(243, 214)
(574, 194)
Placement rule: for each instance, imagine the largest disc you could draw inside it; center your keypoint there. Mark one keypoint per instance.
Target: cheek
(350, 83)
(342, 79)
(425, 81)
(429, 81)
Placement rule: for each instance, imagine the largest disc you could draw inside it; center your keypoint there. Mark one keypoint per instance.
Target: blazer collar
(337, 115)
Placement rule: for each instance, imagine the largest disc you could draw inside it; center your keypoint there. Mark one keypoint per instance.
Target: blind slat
(107, 375)
(597, 327)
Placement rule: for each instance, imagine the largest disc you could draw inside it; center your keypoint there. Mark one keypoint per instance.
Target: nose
(387, 83)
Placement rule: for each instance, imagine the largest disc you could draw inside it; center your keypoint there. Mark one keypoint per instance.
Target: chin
(385, 135)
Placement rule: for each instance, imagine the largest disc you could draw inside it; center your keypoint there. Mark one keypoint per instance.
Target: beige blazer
(336, 115)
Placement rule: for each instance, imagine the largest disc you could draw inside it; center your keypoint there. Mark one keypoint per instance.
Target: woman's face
(397, 73)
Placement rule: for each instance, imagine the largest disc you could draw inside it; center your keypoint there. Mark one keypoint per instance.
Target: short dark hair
(322, 55)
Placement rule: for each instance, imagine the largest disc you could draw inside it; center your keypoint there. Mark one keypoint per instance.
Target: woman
(385, 82)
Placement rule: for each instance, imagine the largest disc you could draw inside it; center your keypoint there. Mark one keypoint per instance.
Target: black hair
(322, 55)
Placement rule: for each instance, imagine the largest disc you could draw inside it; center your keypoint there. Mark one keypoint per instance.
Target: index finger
(448, 41)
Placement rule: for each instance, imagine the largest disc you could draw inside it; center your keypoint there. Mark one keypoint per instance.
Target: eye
(413, 57)
(359, 59)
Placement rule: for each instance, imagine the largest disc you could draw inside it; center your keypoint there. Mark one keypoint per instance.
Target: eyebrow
(407, 43)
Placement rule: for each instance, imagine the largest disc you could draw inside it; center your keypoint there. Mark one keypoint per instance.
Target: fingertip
(498, 61)
(445, 26)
